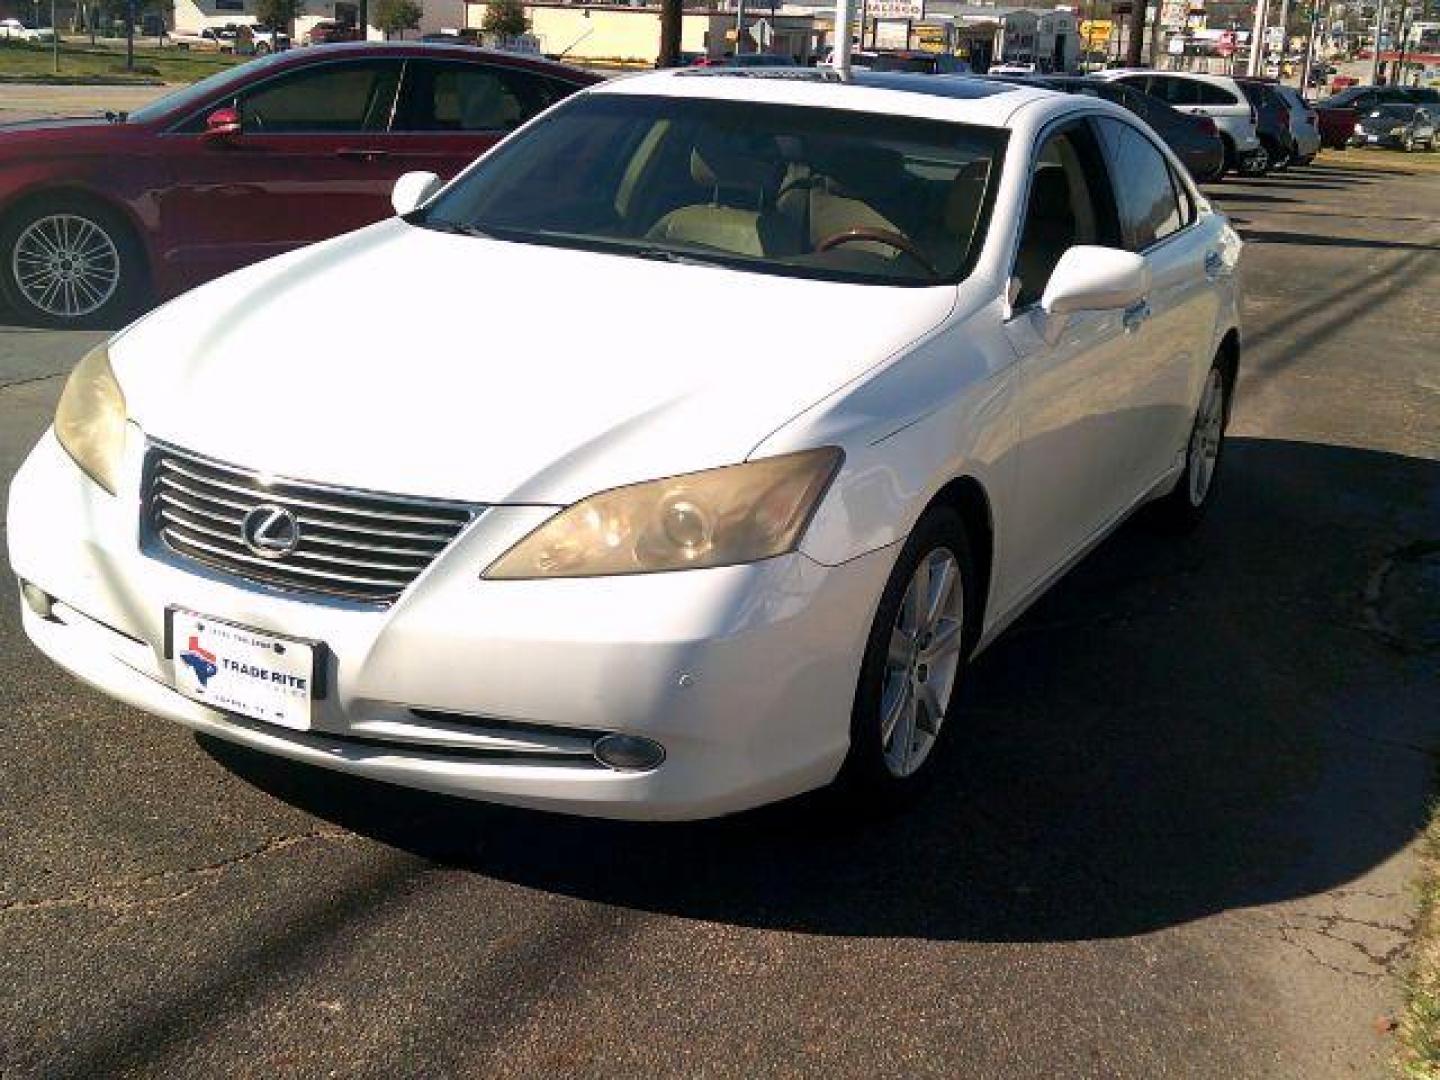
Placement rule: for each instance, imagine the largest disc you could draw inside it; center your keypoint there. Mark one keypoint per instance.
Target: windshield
(770, 188)
(195, 94)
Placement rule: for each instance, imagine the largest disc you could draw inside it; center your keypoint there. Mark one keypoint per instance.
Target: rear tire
(1184, 508)
(924, 630)
(69, 262)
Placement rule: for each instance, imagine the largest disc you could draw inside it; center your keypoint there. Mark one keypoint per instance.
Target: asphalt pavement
(1172, 834)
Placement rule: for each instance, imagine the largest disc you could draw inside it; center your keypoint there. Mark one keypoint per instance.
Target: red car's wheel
(69, 262)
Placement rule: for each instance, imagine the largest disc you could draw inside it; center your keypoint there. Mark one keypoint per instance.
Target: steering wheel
(879, 236)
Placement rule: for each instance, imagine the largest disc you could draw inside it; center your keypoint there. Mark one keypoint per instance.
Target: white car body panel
(746, 674)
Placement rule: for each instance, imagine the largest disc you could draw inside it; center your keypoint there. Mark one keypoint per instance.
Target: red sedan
(98, 214)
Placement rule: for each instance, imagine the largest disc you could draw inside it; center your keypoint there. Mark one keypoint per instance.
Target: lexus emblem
(270, 531)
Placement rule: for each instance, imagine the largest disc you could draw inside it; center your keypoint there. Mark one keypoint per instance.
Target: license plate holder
(238, 669)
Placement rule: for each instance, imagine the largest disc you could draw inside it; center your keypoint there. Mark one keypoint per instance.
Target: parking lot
(1176, 837)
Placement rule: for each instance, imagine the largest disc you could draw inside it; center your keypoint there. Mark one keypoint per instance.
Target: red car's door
(453, 110)
(308, 163)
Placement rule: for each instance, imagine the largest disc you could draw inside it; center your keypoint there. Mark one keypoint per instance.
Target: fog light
(37, 600)
(628, 753)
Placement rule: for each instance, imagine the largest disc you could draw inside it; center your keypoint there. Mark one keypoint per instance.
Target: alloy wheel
(1204, 451)
(65, 265)
(922, 663)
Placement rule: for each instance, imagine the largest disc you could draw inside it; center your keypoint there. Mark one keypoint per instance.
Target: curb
(81, 80)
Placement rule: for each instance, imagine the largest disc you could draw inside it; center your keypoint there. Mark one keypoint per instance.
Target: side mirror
(412, 189)
(1095, 279)
(222, 125)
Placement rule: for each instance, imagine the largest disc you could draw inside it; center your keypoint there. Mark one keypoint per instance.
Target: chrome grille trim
(354, 544)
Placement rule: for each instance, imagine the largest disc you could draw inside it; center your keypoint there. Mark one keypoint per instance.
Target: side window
(1149, 209)
(1175, 91)
(477, 97)
(1069, 204)
(1209, 94)
(331, 98)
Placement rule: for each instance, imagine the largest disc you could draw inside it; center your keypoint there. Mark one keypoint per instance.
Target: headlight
(90, 419)
(1359, 129)
(719, 517)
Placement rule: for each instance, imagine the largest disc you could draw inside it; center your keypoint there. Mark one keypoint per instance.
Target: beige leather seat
(740, 216)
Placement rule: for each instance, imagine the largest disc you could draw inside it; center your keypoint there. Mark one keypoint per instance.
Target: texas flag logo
(201, 661)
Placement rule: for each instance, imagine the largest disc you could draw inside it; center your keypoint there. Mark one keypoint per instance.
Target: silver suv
(1216, 96)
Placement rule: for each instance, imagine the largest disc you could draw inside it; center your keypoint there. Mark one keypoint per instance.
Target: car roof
(959, 98)
(417, 49)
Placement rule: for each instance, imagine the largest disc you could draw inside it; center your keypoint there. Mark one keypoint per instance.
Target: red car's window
(332, 98)
(475, 97)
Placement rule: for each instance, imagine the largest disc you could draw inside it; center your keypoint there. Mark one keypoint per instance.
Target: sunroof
(950, 86)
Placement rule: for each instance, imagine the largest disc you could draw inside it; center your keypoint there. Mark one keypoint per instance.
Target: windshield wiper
(678, 257)
(456, 227)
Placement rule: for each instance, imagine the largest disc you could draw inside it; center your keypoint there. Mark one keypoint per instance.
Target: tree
(279, 14)
(505, 17)
(671, 15)
(396, 16)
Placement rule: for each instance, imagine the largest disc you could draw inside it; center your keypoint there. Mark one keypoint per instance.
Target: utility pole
(1309, 59)
(1257, 37)
(1404, 26)
(844, 11)
(54, 38)
(1155, 35)
(130, 35)
(1284, 38)
(1379, 29)
(1135, 48)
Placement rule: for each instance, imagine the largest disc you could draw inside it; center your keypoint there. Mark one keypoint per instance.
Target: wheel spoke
(894, 711)
(942, 585)
(904, 739)
(944, 641)
(902, 648)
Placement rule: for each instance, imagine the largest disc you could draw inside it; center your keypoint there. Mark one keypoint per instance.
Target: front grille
(357, 545)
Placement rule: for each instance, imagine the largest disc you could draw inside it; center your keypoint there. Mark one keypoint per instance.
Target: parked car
(1339, 113)
(1195, 140)
(750, 60)
(1011, 68)
(484, 537)
(207, 39)
(281, 151)
(1304, 124)
(1272, 121)
(15, 30)
(1216, 96)
(265, 40)
(330, 32)
(1399, 125)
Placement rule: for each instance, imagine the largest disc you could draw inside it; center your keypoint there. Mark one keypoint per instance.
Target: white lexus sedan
(690, 443)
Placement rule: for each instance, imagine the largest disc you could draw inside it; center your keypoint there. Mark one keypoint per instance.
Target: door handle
(1134, 315)
(361, 154)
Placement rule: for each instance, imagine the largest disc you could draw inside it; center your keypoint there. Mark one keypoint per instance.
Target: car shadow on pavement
(1270, 236)
(1236, 718)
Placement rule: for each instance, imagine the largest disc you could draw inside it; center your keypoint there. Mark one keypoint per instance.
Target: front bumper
(745, 675)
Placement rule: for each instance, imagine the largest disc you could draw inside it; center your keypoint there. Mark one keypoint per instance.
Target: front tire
(68, 262)
(1184, 508)
(924, 630)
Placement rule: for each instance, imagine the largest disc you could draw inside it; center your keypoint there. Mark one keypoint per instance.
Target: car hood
(405, 360)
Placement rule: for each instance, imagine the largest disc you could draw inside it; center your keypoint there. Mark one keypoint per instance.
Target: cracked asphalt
(1173, 837)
